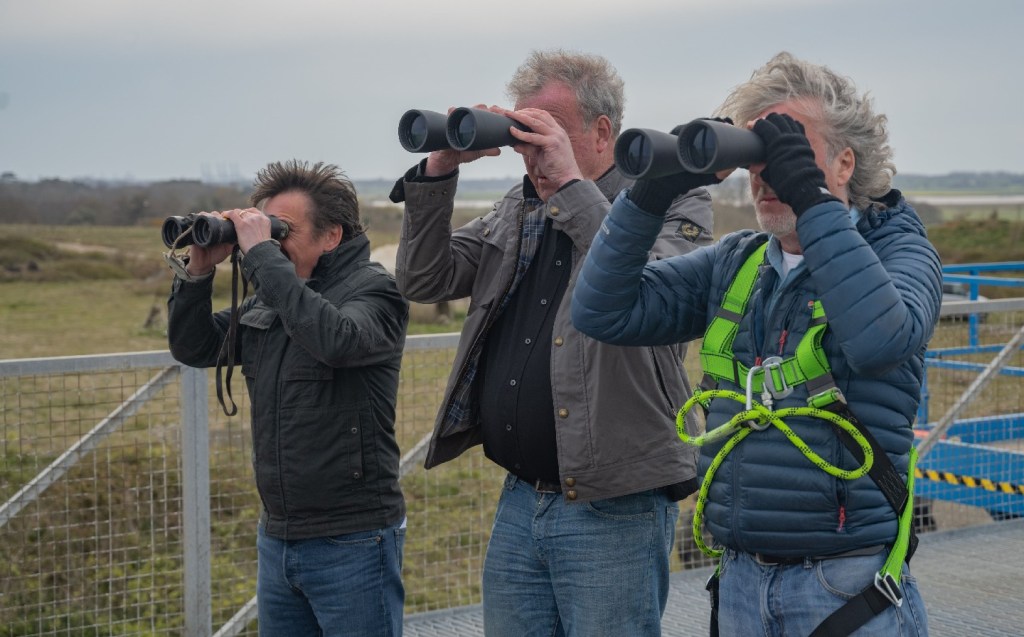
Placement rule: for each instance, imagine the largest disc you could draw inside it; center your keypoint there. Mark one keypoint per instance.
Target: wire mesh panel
(974, 473)
(451, 507)
(92, 513)
(98, 551)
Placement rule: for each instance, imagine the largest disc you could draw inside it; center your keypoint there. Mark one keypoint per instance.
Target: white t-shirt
(790, 261)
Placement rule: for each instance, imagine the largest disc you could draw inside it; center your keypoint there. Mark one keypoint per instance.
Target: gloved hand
(656, 195)
(790, 169)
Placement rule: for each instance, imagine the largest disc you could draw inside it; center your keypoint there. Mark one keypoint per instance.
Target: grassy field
(69, 290)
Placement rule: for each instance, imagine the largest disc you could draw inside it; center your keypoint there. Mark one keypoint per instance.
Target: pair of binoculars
(703, 146)
(209, 231)
(465, 128)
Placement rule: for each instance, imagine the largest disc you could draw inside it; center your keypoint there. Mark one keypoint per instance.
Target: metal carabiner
(750, 398)
(750, 385)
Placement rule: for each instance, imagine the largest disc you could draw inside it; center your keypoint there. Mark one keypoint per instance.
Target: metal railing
(127, 504)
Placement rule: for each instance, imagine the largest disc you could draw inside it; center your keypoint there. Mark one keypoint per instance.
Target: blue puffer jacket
(880, 285)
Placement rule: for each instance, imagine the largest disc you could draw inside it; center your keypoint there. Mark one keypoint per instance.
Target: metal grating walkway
(972, 581)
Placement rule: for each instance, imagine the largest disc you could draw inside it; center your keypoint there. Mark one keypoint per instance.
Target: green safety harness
(774, 379)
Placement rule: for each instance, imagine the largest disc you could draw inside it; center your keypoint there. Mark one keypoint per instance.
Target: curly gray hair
(848, 119)
(596, 84)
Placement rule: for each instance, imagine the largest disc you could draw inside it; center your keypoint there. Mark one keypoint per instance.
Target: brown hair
(334, 197)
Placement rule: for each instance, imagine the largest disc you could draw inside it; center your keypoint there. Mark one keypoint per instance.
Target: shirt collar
(775, 250)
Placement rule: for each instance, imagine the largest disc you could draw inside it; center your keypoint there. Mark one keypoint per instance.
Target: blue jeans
(581, 570)
(793, 599)
(344, 585)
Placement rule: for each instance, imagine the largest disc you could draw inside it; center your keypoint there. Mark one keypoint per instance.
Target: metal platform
(972, 581)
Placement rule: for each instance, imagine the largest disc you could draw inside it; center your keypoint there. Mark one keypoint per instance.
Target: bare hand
(251, 227)
(547, 147)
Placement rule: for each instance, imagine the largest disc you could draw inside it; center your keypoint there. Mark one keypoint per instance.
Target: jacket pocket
(256, 325)
(670, 378)
(322, 459)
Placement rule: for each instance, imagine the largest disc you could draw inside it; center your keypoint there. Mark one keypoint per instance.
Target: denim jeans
(579, 570)
(344, 585)
(792, 600)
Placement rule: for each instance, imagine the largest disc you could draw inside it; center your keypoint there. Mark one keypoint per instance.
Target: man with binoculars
(814, 333)
(585, 522)
(320, 344)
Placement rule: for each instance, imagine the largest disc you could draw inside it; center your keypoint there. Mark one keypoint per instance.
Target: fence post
(195, 470)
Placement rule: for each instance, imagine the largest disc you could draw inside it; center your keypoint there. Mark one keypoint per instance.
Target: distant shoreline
(968, 200)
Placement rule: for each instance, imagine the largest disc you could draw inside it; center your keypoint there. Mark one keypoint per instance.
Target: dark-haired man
(320, 343)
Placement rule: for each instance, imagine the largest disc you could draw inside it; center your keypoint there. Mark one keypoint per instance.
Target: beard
(778, 224)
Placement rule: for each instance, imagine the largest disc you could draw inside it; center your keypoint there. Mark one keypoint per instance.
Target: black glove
(790, 169)
(656, 195)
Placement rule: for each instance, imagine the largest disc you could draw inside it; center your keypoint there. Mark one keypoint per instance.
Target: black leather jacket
(321, 361)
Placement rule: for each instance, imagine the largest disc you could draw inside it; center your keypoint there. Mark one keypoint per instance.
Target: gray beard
(777, 225)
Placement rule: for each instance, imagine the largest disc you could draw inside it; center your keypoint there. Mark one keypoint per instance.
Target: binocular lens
(466, 130)
(703, 147)
(418, 131)
(638, 155)
(173, 228)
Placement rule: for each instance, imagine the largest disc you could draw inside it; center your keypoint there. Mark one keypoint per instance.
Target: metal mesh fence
(99, 550)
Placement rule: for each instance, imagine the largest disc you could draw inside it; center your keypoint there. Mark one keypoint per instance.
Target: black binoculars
(701, 147)
(209, 231)
(463, 129)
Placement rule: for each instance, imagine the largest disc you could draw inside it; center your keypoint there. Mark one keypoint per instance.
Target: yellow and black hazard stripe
(968, 481)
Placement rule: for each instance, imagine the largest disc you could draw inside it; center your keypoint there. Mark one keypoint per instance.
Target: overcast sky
(212, 88)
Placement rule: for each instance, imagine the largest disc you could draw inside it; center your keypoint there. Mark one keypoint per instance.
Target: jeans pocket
(368, 538)
(638, 506)
(847, 577)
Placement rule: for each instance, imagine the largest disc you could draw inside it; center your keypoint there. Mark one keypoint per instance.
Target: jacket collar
(610, 184)
(343, 258)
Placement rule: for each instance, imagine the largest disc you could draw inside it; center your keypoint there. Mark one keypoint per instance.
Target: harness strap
(712, 588)
(884, 591)
(854, 614)
(882, 471)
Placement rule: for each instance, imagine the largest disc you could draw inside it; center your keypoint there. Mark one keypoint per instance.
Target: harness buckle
(827, 398)
(773, 374)
(887, 586)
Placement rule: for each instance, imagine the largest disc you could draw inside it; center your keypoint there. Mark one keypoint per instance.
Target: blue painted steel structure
(980, 461)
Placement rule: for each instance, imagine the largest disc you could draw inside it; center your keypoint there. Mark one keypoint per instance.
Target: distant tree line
(55, 201)
(994, 182)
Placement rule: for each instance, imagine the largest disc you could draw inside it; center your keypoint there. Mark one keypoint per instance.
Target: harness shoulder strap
(716, 357)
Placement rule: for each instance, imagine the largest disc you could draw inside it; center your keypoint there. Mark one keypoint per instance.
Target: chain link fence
(109, 526)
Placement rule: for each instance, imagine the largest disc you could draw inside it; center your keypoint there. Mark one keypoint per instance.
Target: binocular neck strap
(227, 348)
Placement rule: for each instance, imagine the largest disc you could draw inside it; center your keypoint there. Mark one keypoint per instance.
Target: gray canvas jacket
(614, 406)
(321, 362)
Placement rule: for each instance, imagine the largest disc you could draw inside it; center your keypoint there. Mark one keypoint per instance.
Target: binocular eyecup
(702, 146)
(423, 131)
(209, 231)
(464, 128)
(174, 227)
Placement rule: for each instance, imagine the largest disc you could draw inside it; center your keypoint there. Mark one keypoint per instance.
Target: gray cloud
(110, 88)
